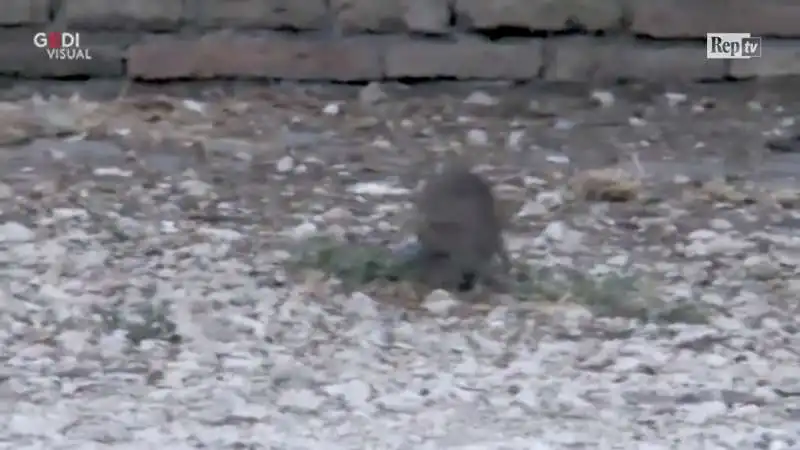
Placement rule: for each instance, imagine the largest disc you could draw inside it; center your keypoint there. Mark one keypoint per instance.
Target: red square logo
(54, 39)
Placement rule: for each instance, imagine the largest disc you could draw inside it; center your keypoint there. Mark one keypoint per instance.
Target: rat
(459, 230)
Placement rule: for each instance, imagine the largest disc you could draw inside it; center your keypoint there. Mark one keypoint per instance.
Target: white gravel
(121, 332)
(277, 368)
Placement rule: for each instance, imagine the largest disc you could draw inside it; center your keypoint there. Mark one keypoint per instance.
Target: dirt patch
(604, 180)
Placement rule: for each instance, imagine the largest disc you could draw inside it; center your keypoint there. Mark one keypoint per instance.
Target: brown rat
(459, 230)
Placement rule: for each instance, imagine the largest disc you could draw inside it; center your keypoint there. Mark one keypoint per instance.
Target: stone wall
(355, 40)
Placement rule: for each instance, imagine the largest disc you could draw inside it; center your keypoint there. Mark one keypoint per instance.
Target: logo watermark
(732, 46)
(61, 45)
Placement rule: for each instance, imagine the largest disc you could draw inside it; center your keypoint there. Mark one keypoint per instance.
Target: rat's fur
(459, 229)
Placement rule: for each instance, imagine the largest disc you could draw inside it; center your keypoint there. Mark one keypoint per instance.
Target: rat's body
(459, 230)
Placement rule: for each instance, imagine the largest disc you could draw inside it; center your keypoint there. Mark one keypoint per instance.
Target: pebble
(533, 209)
(196, 188)
(355, 393)
(603, 98)
(6, 192)
(372, 94)
(300, 400)
(720, 224)
(440, 303)
(15, 232)
(761, 267)
(514, 139)
(550, 199)
(675, 98)
(332, 109)
(477, 136)
(481, 99)
(285, 164)
(304, 230)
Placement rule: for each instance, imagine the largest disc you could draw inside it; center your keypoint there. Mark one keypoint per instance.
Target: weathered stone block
(292, 14)
(269, 56)
(369, 15)
(695, 18)
(540, 14)
(464, 59)
(778, 58)
(113, 14)
(427, 16)
(22, 12)
(585, 58)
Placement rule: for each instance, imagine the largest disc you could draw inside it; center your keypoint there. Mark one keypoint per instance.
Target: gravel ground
(147, 297)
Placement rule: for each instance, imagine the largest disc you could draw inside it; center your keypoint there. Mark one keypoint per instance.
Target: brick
(540, 14)
(369, 15)
(695, 18)
(427, 16)
(464, 59)
(153, 15)
(23, 12)
(290, 14)
(584, 58)
(268, 56)
(778, 58)
(30, 62)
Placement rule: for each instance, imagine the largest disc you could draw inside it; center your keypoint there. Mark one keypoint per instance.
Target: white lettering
(69, 53)
(40, 40)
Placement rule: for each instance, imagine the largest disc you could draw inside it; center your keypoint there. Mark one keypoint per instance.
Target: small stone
(303, 230)
(514, 139)
(558, 159)
(285, 164)
(702, 235)
(372, 94)
(555, 231)
(362, 305)
(564, 124)
(221, 234)
(480, 99)
(129, 228)
(15, 232)
(69, 213)
(403, 401)
(618, 260)
(720, 224)
(702, 413)
(44, 188)
(300, 400)
(603, 98)
(337, 213)
(761, 267)
(477, 136)
(332, 109)
(532, 209)
(550, 199)
(194, 105)
(195, 188)
(440, 303)
(354, 393)
(112, 172)
(377, 188)
(6, 191)
(681, 179)
(636, 121)
(755, 106)
(675, 98)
